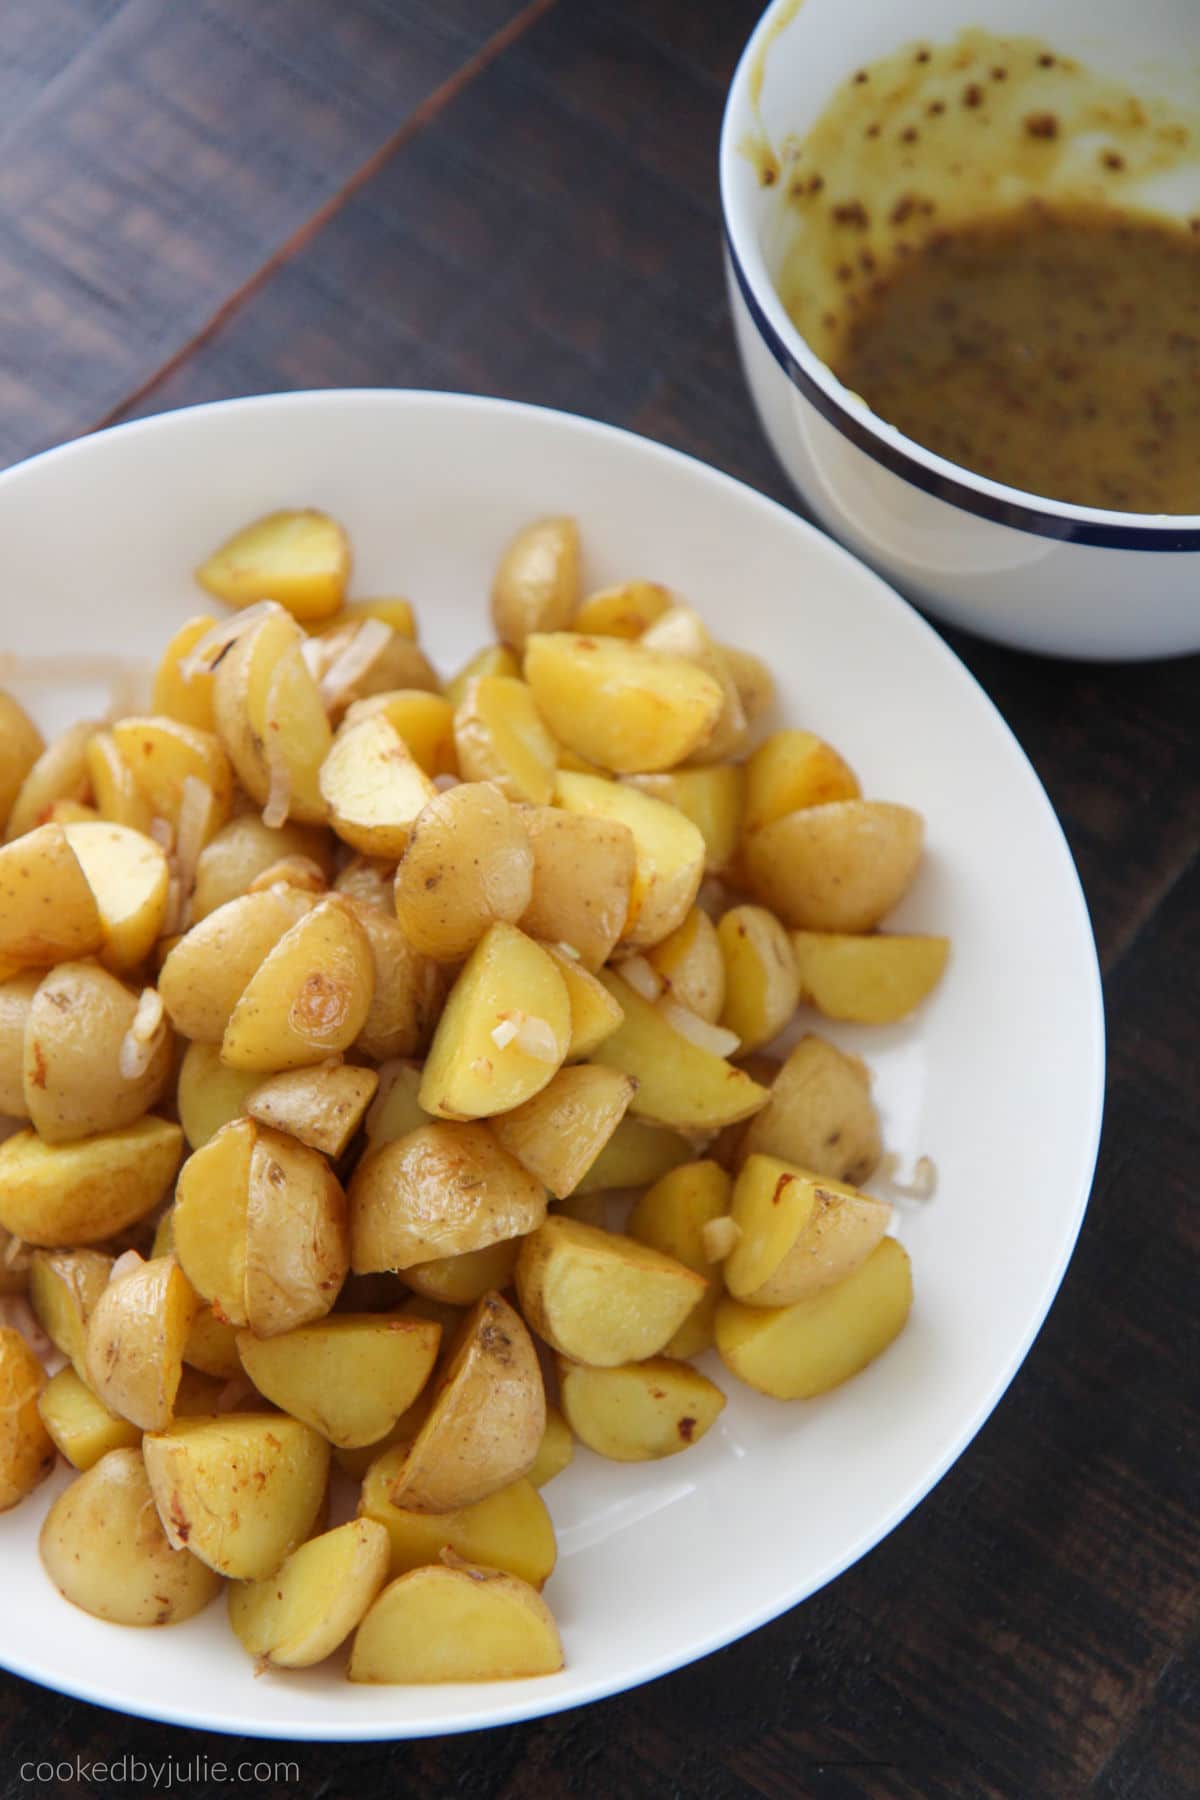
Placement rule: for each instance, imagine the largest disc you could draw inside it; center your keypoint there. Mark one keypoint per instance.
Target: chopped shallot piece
(642, 977)
(128, 1263)
(163, 833)
(207, 651)
(568, 950)
(195, 822)
(719, 1237)
(923, 1184)
(371, 638)
(503, 1034)
(140, 1043)
(713, 1038)
(536, 1038)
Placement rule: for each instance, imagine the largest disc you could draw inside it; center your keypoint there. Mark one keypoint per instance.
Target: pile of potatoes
(338, 1006)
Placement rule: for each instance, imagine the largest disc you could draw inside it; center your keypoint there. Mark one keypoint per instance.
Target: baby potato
(536, 585)
(64, 1286)
(462, 1280)
(752, 678)
(104, 1548)
(797, 1234)
(508, 1530)
(558, 1134)
(395, 1110)
(622, 706)
(692, 966)
(129, 878)
(209, 1218)
(500, 737)
(309, 998)
(244, 849)
(399, 665)
(209, 969)
(819, 1115)
(681, 632)
(209, 1094)
(349, 1377)
(16, 1000)
(835, 867)
(445, 1189)
(796, 1352)
(639, 1412)
(762, 984)
(81, 1427)
(791, 770)
(424, 720)
(135, 1341)
(493, 659)
(368, 880)
(870, 980)
(186, 696)
(26, 1450)
(211, 1348)
(48, 912)
(119, 799)
(556, 1450)
(409, 989)
(322, 1107)
(669, 853)
(679, 1084)
(241, 1491)
(467, 864)
(671, 1216)
(487, 1417)
(504, 1032)
(595, 1015)
(297, 557)
(599, 1297)
(21, 744)
(712, 798)
(163, 755)
(73, 1086)
(299, 1615)
(634, 1155)
(583, 875)
(624, 611)
(373, 787)
(60, 773)
(465, 1623)
(272, 720)
(82, 1193)
(392, 609)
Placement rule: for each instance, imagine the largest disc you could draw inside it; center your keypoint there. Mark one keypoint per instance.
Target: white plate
(999, 1078)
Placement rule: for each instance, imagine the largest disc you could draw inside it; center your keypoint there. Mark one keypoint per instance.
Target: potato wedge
(465, 1623)
(583, 874)
(82, 1193)
(104, 1548)
(163, 755)
(209, 1218)
(16, 1002)
(129, 877)
(679, 1084)
(536, 585)
(349, 1377)
(639, 1412)
(624, 707)
(241, 1492)
(399, 665)
(634, 1155)
(669, 852)
(211, 1347)
(797, 1234)
(493, 659)
(272, 720)
(762, 983)
(373, 787)
(711, 798)
(395, 1110)
(671, 1216)
(48, 911)
(26, 1449)
(424, 720)
(444, 1189)
(119, 800)
(21, 744)
(468, 864)
(508, 1530)
(835, 867)
(791, 770)
(209, 969)
(682, 632)
(81, 1427)
(73, 1084)
(690, 964)
(819, 1115)
(556, 1450)
(624, 611)
(870, 980)
(462, 1280)
(182, 691)
(499, 736)
(322, 1107)
(505, 1030)
(243, 850)
(60, 773)
(599, 1297)
(408, 992)
(796, 1352)
(64, 1286)
(487, 1418)
(595, 1015)
(210, 1094)
(392, 609)
(310, 996)
(559, 1133)
(299, 1615)
(297, 557)
(752, 678)
(136, 1334)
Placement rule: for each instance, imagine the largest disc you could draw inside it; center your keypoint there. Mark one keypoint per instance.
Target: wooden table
(201, 198)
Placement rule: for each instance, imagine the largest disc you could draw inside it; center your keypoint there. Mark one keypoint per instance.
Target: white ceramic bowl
(1036, 573)
(1000, 1077)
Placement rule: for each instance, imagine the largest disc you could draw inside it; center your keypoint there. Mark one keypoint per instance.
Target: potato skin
(48, 912)
(299, 1615)
(837, 867)
(207, 972)
(63, 1194)
(135, 1341)
(16, 999)
(583, 871)
(21, 744)
(669, 852)
(468, 863)
(242, 850)
(26, 1449)
(536, 586)
(309, 998)
(819, 1115)
(73, 1085)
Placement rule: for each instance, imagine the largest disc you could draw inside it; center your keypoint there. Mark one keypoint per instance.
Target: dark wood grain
(522, 202)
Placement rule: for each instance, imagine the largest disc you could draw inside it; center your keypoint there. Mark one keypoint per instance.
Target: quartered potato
(634, 1155)
(105, 1549)
(819, 1115)
(583, 875)
(21, 744)
(796, 1352)
(871, 980)
(796, 1234)
(601, 1298)
(463, 1279)
(82, 1193)
(791, 770)
(81, 1427)
(500, 736)
(555, 1451)
(508, 1530)
(468, 864)
(595, 1015)
(118, 797)
(209, 1093)
(408, 993)
(241, 1491)
(272, 721)
(752, 678)
(444, 1189)
(671, 1216)
(374, 787)
(60, 773)
(691, 967)
(243, 850)
(182, 690)
(16, 1001)
(464, 1623)
(669, 852)
(310, 996)
(48, 911)
(762, 984)
(624, 611)
(679, 1083)
(424, 720)
(641, 1411)
(164, 756)
(391, 609)
(322, 1106)
(301, 559)
(395, 1110)
(493, 659)
(312, 1603)
(74, 1073)
(349, 1377)
(620, 705)
(681, 632)
(836, 867)
(129, 877)
(136, 1335)
(64, 1286)
(713, 799)
(536, 586)
(26, 1450)
(558, 1134)
(211, 966)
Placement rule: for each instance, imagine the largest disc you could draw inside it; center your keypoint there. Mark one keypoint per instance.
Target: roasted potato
(322, 1107)
(493, 659)
(26, 1450)
(680, 631)
(64, 1286)
(499, 736)
(634, 1155)
(711, 798)
(211, 966)
(60, 773)
(595, 1015)
(795, 1352)
(555, 1452)
(243, 850)
(463, 1279)
(752, 678)
(624, 611)
(373, 786)
(395, 1110)
(671, 1217)
(82, 1193)
(505, 1030)
(349, 1377)
(819, 1115)
(536, 586)
(310, 996)
(48, 912)
(870, 980)
(559, 1133)
(444, 1189)
(163, 756)
(272, 720)
(16, 1001)
(583, 873)
(81, 1427)
(424, 720)
(21, 744)
(468, 864)
(791, 770)
(691, 966)
(601, 1298)
(105, 1549)
(119, 800)
(299, 1615)
(464, 1623)
(679, 1084)
(796, 1234)
(625, 708)
(669, 852)
(299, 558)
(128, 876)
(408, 992)
(75, 1079)
(639, 1411)
(508, 1530)
(762, 984)
(136, 1333)
(183, 689)
(836, 867)
(209, 1094)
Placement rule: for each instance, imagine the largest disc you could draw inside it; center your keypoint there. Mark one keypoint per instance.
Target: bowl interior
(999, 1079)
